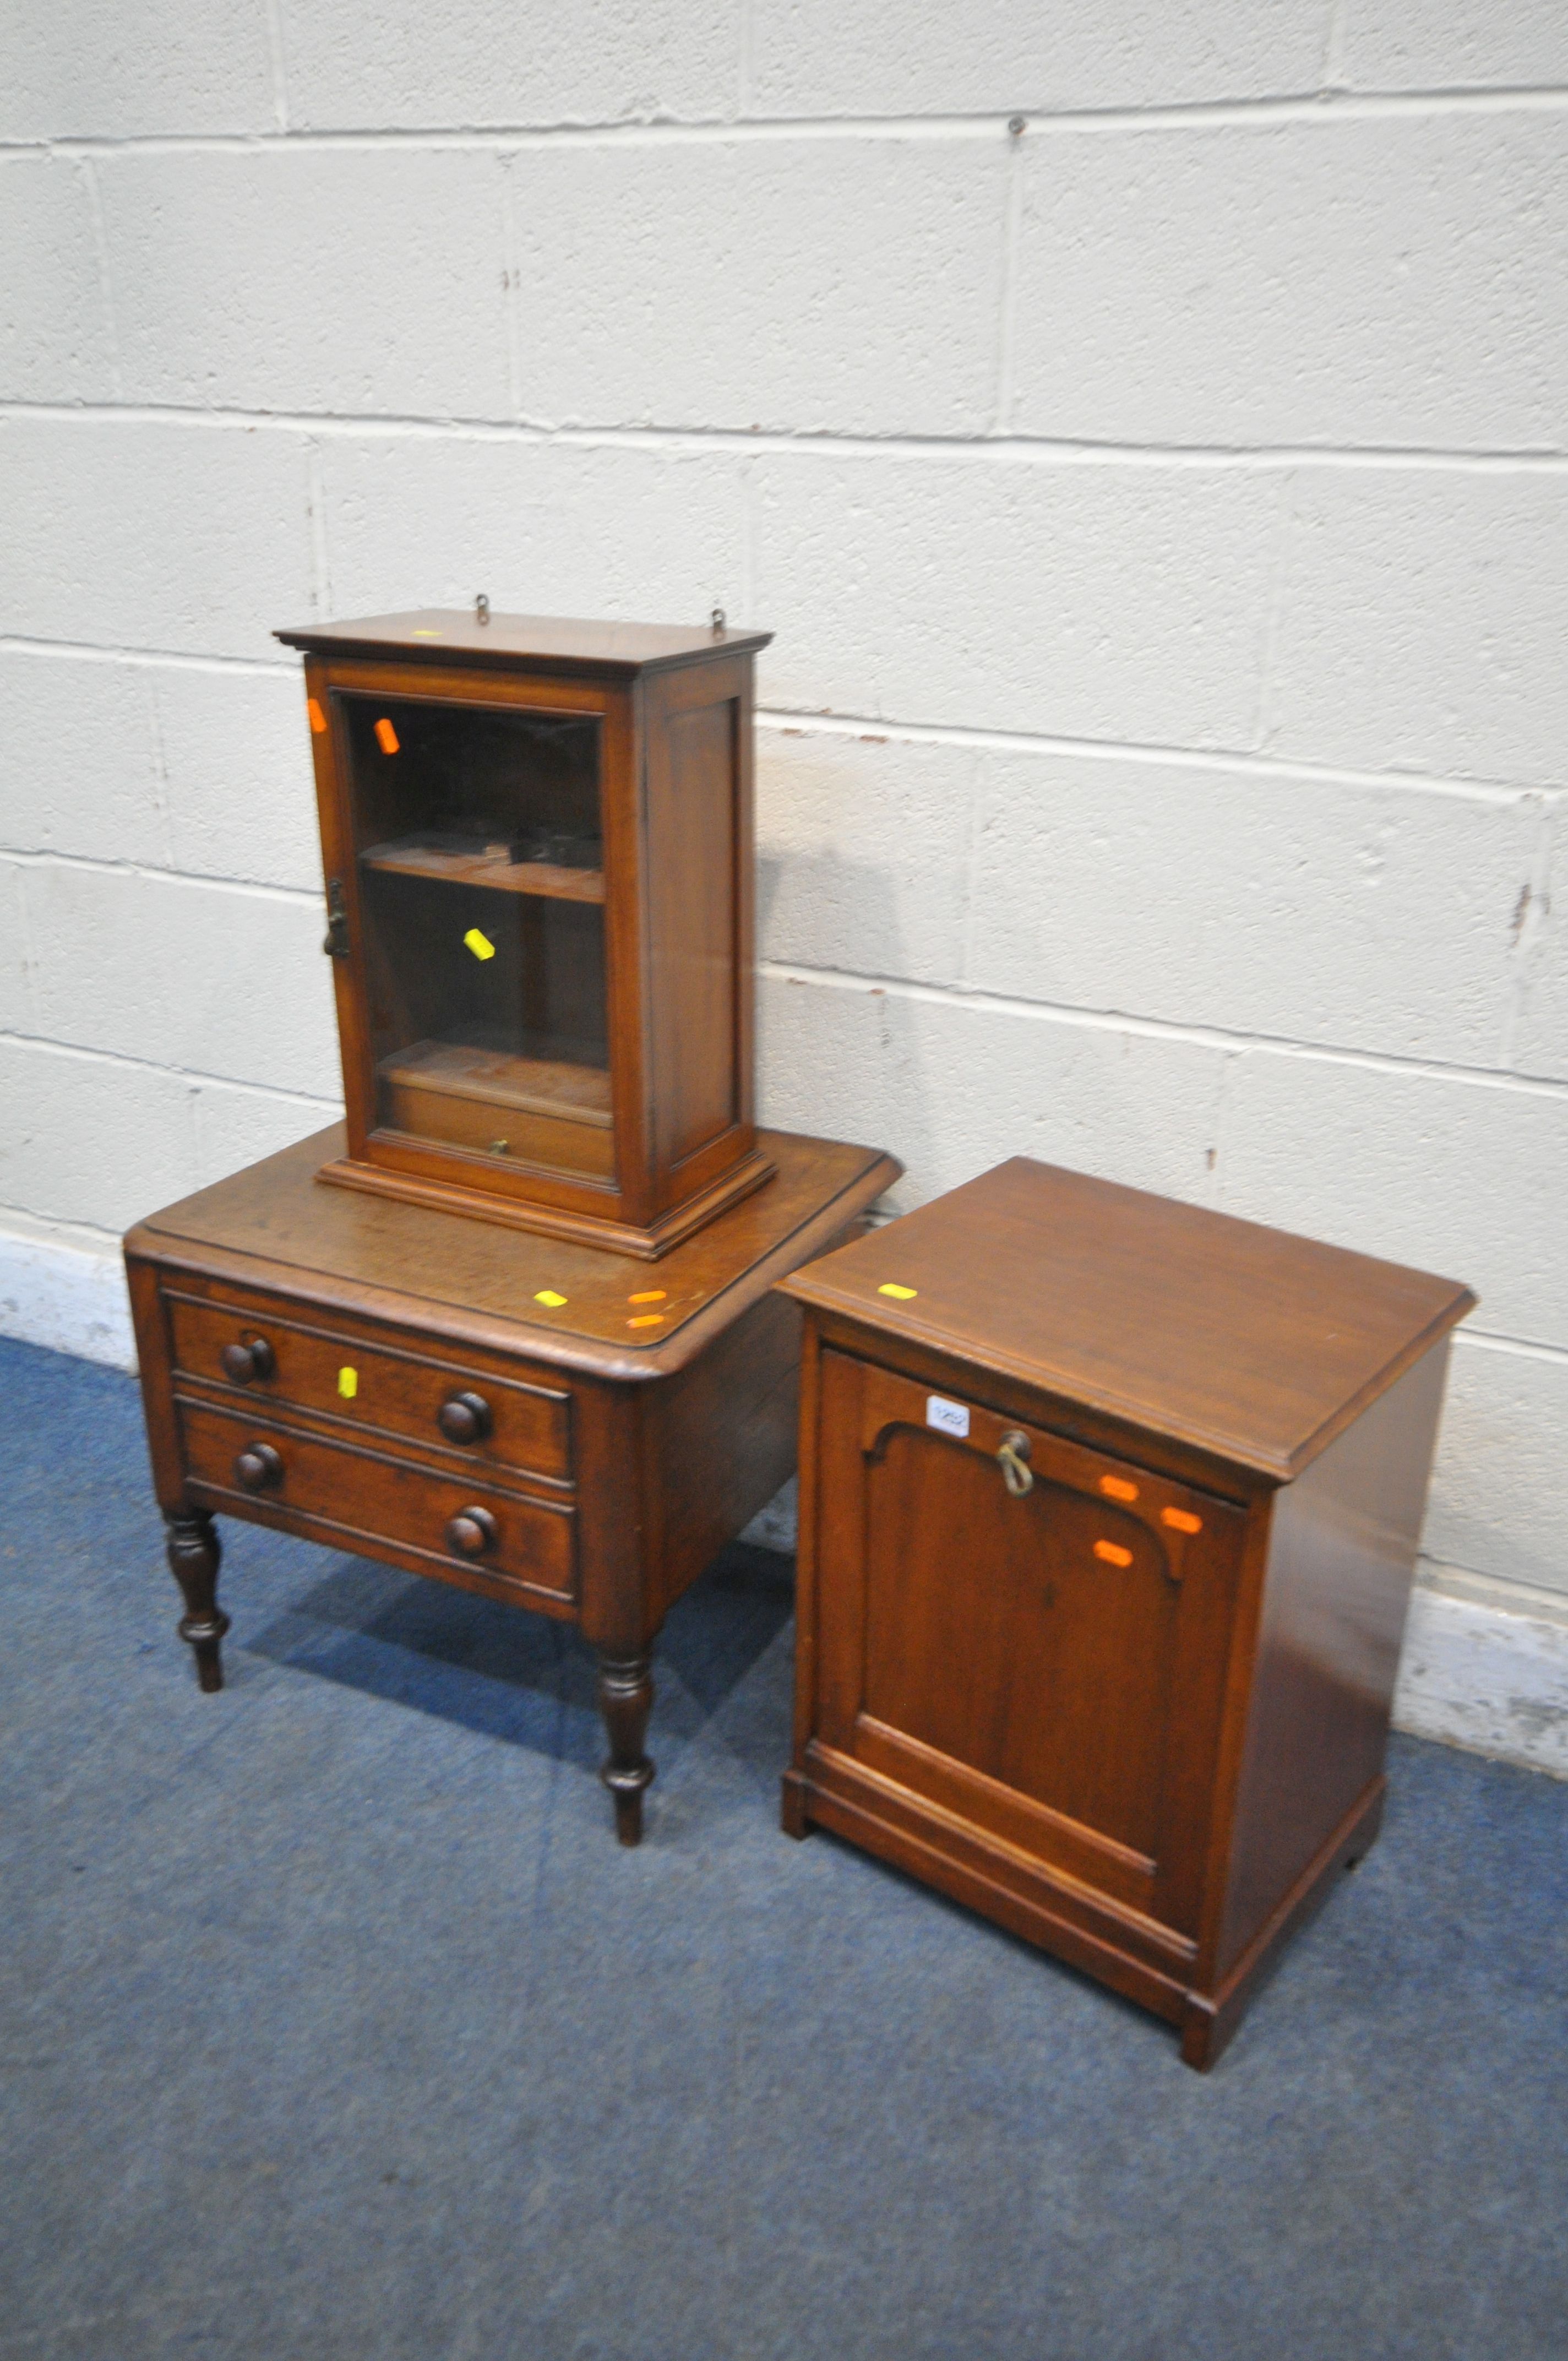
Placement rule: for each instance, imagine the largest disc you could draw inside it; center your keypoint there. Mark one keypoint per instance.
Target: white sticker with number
(949, 1418)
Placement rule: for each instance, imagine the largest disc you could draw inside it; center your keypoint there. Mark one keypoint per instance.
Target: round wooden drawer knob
(471, 1533)
(257, 1469)
(463, 1418)
(242, 1363)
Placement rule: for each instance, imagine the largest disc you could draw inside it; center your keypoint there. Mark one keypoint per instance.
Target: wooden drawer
(379, 1388)
(365, 1496)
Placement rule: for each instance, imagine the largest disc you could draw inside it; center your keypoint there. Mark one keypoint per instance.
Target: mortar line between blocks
(1159, 1028)
(1012, 221)
(159, 767)
(47, 1230)
(830, 444)
(321, 564)
(1530, 925)
(1224, 1100)
(105, 280)
(804, 722)
(745, 59)
(1333, 51)
(278, 54)
(108, 652)
(256, 889)
(1492, 1340)
(790, 722)
(511, 288)
(1316, 106)
(195, 1075)
(1285, 527)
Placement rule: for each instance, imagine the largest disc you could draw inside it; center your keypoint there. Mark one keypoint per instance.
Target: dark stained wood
(626, 1701)
(411, 1400)
(397, 1391)
(694, 929)
(1242, 1341)
(1343, 1542)
(651, 952)
(195, 1553)
(480, 1285)
(1121, 1681)
(550, 643)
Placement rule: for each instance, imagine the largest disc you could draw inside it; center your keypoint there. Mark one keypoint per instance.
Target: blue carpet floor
(336, 2024)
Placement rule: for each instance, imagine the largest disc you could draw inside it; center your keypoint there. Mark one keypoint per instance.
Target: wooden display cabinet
(1109, 1512)
(537, 843)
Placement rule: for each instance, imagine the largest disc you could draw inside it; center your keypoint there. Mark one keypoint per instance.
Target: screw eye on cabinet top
(538, 847)
(1109, 1510)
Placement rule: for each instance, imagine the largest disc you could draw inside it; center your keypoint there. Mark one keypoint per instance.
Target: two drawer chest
(1109, 1514)
(550, 1423)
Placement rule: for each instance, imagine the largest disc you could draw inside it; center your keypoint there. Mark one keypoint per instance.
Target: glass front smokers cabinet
(536, 839)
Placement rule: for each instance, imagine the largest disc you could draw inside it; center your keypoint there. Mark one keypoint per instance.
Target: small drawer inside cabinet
(367, 1494)
(276, 1357)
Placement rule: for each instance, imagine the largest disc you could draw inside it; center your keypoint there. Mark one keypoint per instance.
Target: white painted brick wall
(1411, 270)
(993, 56)
(128, 69)
(1020, 592)
(55, 344)
(496, 61)
(1163, 512)
(627, 240)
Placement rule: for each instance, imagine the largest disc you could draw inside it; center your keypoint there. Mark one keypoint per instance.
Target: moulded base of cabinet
(1145, 1963)
(552, 1221)
(1209, 2019)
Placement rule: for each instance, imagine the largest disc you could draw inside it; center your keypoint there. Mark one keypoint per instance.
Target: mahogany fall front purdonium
(1109, 1511)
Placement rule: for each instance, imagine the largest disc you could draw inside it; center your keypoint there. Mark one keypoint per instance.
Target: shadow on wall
(954, 1086)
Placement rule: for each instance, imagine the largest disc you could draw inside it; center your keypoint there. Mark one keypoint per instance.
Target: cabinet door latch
(336, 943)
(1013, 1458)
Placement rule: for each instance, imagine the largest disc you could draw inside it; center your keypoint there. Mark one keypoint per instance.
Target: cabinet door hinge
(335, 944)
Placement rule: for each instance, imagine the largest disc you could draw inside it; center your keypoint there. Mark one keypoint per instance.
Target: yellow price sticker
(904, 1294)
(479, 944)
(547, 1295)
(348, 1383)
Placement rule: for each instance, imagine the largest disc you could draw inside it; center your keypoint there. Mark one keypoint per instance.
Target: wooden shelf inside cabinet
(491, 866)
(537, 1085)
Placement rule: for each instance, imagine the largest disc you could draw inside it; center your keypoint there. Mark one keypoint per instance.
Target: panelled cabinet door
(1044, 1656)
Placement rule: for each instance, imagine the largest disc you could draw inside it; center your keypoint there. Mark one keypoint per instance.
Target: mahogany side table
(1109, 1511)
(545, 1421)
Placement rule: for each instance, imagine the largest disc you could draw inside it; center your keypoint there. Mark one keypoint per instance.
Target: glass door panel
(482, 895)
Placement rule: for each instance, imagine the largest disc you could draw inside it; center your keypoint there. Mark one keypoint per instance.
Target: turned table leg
(626, 1699)
(194, 1556)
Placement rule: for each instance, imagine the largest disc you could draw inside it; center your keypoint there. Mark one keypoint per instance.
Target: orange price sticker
(386, 737)
(1116, 1488)
(315, 716)
(1181, 1519)
(1112, 1553)
(647, 1320)
(648, 1295)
